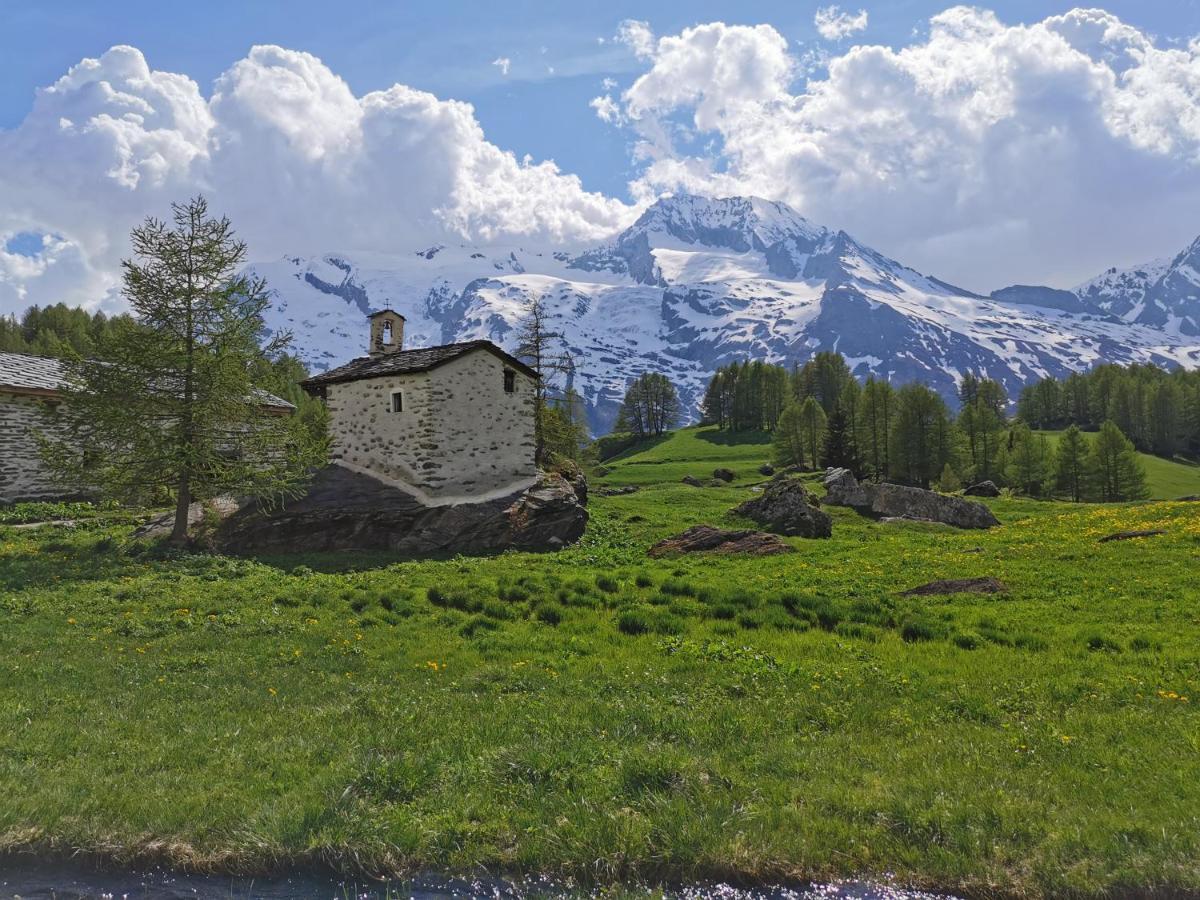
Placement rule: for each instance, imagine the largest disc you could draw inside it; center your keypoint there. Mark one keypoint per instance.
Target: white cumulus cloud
(283, 146)
(637, 36)
(983, 152)
(503, 63)
(833, 24)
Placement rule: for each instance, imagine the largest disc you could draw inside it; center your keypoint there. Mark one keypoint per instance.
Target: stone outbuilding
(31, 393)
(449, 424)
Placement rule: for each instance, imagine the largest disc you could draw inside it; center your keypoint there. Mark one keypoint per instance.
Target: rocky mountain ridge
(696, 283)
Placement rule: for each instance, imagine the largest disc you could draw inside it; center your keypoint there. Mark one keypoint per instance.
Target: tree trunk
(179, 534)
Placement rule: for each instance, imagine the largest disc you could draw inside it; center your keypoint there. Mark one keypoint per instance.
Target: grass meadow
(598, 714)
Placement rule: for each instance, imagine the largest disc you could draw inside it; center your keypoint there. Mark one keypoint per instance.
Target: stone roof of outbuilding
(21, 373)
(404, 362)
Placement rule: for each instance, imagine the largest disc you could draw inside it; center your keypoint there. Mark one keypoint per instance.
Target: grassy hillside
(602, 714)
(1166, 479)
(690, 451)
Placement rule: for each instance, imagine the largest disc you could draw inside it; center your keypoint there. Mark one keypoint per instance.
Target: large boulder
(707, 539)
(843, 489)
(723, 475)
(983, 489)
(786, 507)
(344, 510)
(898, 501)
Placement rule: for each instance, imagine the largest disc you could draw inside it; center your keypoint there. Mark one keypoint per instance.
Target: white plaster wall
(460, 436)
(22, 476)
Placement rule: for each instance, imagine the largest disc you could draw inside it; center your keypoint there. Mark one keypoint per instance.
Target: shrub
(918, 629)
(607, 583)
(1099, 643)
(549, 613)
(633, 621)
(678, 587)
(643, 580)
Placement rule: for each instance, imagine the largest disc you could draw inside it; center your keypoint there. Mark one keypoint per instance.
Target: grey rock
(982, 489)
(692, 480)
(901, 500)
(843, 489)
(345, 510)
(766, 469)
(958, 586)
(897, 501)
(723, 474)
(786, 507)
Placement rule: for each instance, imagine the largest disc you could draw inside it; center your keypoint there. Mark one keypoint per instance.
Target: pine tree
(922, 439)
(874, 426)
(788, 443)
(545, 351)
(172, 403)
(1116, 473)
(948, 481)
(812, 425)
(1070, 464)
(839, 443)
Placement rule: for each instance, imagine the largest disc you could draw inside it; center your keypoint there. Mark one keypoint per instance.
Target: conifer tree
(1116, 473)
(1071, 464)
(173, 401)
(813, 425)
(788, 441)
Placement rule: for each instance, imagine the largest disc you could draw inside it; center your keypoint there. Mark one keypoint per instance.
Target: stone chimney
(387, 332)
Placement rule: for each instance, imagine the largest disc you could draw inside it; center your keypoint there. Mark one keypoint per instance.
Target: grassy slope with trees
(1166, 479)
(603, 714)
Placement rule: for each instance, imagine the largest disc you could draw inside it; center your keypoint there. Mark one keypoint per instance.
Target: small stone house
(448, 424)
(30, 396)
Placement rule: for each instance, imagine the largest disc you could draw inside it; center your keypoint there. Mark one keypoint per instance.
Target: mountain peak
(736, 223)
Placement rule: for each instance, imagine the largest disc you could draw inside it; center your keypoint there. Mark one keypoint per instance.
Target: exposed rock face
(959, 586)
(786, 507)
(843, 489)
(723, 474)
(692, 480)
(901, 502)
(706, 539)
(344, 510)
(983, 489)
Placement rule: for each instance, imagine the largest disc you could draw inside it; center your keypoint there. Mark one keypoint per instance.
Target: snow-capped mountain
(1164, 293)
(696, 283)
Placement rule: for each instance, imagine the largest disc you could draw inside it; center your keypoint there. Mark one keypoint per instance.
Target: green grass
(690, 451)
(599, 714)
(1167, 479)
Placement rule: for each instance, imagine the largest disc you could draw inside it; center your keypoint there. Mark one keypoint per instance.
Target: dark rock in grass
(843, 489)
(982, 489)
(786, 507)
(692, 480)
(616, 491)
(1190, 498)
(1130, 535)
(706, 539)
(344, 510)
(958, 586)
(898, 501)
(766, 469)
(723, 474)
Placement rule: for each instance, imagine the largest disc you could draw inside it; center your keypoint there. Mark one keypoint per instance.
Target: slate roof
(21, 373)
(403, 362)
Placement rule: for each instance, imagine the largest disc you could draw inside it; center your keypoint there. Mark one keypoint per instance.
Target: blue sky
(448, 48)
(1016, 141)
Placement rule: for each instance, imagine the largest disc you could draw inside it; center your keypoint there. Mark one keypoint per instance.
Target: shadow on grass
(639, 447)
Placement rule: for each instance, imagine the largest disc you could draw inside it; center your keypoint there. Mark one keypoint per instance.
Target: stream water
(76, 881)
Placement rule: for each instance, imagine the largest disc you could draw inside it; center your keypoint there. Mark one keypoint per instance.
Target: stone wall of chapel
(460, 434)
(22, 475)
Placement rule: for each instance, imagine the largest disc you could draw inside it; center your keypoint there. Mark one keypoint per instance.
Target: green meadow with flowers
(602, 715)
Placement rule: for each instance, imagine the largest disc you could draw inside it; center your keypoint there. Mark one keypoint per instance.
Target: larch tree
(1071, 464)
(651, 406)
(545, 351)
(813, 425)
(173, 401)
(788, 440)
(1116, 473)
